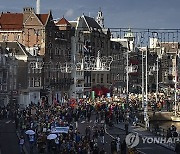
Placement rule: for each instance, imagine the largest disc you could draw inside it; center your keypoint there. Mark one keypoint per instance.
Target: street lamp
(157, 78)
(175, 87)
(145, 102)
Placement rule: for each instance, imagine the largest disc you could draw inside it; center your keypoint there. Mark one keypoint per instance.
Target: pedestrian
(102, 133)
(123, 147)
(21, 144)
(177, 148)
(88, 132)
(102, 151)
(118, 143)
(113, 146)
(126, 126)
(31, 142)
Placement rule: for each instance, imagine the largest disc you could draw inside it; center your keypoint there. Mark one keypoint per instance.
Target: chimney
(37, 6)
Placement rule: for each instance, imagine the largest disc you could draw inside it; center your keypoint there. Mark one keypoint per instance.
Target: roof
(14, 21)
(43, 18)
(11, 21)
(73, 23)
(20, 49)
(63, 21)
(91, 22)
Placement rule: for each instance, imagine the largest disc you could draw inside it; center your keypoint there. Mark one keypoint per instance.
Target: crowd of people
(42, 119)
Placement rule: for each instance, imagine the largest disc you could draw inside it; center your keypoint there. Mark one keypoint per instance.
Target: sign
(60, 130)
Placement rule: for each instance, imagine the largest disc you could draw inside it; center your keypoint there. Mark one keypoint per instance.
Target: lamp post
(157, 78)
(175, 87)
(142, 79)
(127, 77)
(146, 119)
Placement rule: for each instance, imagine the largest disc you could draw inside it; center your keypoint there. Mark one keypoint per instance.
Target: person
(88, 132)
(123, 147)
(177, 148)
(118, 143)
(101, 133)
(21, 143)
(173, 128)
(31, 142)
(113, 146)
(126, 127)
(57, 143)
(102, 151)
(169, 134)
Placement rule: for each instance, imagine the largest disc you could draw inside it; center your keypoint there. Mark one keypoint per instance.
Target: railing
(159, 132)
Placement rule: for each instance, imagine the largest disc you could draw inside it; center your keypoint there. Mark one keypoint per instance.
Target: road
(112, 132)
(144, 148)
(8, 137)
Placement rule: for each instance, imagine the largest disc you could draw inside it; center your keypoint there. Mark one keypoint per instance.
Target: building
(90, 40)
(48, 46)
(4, 79)
(16, 70)
(168, 57)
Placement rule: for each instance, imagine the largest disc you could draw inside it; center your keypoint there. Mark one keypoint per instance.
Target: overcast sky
(117, 13)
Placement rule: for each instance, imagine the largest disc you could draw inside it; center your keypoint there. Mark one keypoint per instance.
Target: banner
(60, 130)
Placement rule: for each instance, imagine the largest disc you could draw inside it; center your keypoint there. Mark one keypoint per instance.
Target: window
(37, 81)
(93, 78)
(4, 87)
(15, 83)
(97, 78)
(102, 78)
(17, 37)
(107, 78)
(31, 82)
(4, 37)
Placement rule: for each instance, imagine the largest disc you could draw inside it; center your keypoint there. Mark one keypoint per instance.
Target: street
(8, 137)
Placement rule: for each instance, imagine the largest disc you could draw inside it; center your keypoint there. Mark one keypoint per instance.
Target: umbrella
(51, 136)
(30, 132)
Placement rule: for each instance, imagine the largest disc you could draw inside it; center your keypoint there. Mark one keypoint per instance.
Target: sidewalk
(142, 132)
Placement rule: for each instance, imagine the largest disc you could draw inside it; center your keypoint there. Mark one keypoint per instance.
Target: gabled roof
(11, 21)
(15, 45)
(43, 18)
(14, 21)
(63, 21)
(91, 23)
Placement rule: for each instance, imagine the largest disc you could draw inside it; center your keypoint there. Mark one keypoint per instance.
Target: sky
(117, 13)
